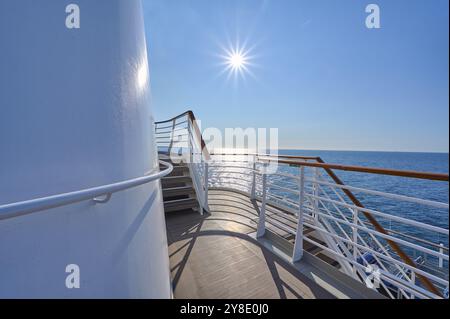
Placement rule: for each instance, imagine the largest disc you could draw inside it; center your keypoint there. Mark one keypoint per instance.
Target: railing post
(262, 215)
(206, 181)
(355, 237)
(413, 280)
(298, 247)
(190, 137)
(441, 251)
(172, 136)
(253, 194)
(316, 193)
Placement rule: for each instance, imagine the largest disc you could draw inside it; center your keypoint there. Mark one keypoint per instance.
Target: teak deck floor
(213, 256)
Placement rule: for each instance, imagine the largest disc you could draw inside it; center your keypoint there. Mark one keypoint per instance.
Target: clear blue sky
(318, 74)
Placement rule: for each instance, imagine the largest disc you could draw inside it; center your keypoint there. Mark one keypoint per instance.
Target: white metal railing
(99, 194)
(181, 140)
(407, 258)
(362, 250)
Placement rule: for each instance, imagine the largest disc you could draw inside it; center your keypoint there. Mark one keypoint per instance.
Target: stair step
(180, 204)
(306, 231)
(180, 170)
(175, 164)
(329, 260)
(311, 248)
(175, 181)
(178, 191)
(166, 158)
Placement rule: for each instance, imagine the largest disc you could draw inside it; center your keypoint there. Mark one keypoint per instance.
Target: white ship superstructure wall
(75, 114)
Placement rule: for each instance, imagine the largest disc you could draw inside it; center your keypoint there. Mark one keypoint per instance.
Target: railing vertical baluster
(172, 135)
(262, 215)
(253, 194)
(355, 237)
(441, 251)
(413, 280)
(206, 181)
(190, 145)
(316, 193)
(298, 246)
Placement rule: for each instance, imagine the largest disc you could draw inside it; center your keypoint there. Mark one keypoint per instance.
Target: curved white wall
(74, 113)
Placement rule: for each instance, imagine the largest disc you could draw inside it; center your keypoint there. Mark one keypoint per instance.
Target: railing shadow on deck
(192, 231)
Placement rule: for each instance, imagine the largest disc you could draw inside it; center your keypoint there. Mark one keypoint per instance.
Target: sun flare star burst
(237, 62)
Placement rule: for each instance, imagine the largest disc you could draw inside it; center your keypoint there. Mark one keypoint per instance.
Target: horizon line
(349, 150)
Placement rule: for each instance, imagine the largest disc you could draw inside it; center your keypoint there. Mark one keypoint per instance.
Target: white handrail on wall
(40, 204)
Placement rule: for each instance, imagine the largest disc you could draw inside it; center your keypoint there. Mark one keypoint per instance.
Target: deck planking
(213, 256)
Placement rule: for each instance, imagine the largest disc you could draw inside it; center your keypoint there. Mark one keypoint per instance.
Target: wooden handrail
(370, 170)
(174, 118)
(199, 135)
(197, 132)
(360, 169)
(259, 155)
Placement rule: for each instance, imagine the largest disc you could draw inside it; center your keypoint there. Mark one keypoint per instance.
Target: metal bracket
(102, 199)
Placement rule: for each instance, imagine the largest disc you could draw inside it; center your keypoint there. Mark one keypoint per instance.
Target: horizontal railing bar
(174, 118)
(169, 142)
(237, 160)
(172, 125)
(171, 138)
(266, 155)
(383, 194)
(226, 179)
(426, 242)
(179, 139)
(297, 178)
(230, 183)
(293, 191)
(372, 170)
(387, 216)
(277, 197)
(230, 172)
(276, 223)
(36, 205)
(225, 167)
(386, 237)
(227, 161)
(313, 158)
(172, 131)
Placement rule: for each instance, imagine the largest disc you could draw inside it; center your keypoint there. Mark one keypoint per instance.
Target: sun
(236, 61)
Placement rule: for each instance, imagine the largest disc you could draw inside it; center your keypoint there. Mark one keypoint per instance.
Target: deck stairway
(178, 191)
